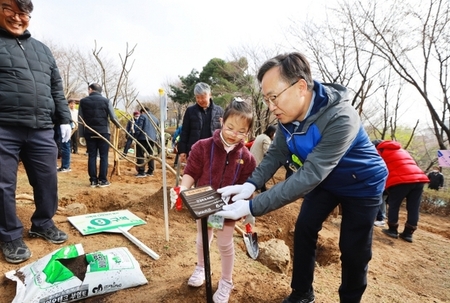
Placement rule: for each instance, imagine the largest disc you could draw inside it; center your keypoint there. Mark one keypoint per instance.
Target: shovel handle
(240, 230)
(178, 203)
(248, 228)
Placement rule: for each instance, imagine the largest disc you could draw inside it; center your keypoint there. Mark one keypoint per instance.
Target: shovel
(250, 240)
(178, 203)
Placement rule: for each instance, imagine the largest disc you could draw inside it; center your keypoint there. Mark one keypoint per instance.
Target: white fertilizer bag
(69, 275)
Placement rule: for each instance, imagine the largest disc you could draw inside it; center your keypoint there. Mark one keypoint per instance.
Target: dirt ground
(399, 271)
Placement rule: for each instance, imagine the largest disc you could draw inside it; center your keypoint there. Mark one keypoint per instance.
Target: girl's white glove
(174, 194)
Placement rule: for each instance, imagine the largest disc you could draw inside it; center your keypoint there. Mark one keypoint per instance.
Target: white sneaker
(197, 278)
(223, 292)
(379, 223)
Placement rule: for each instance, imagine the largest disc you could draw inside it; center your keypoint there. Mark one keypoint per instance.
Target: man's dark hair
(24, 5)
(95, 87)
(293, 67)
(145, 109)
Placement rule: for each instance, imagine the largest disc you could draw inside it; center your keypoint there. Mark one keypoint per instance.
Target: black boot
(408, 232)
(296, 297)
(392, 231)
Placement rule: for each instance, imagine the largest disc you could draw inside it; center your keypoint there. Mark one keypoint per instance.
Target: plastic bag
(69, 275)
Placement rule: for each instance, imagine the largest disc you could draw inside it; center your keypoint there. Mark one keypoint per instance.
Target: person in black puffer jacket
(31, 102)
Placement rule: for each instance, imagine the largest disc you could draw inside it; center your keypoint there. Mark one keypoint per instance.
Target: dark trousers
(413, 194)
(74, 142)
(96, 145)
(37, 150)
(140, 154)
(355, 241)
(127, 145)
(381, 215)
(175, 162)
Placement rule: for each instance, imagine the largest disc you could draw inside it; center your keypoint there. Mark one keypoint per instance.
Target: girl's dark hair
(238, 107)
(24, 5)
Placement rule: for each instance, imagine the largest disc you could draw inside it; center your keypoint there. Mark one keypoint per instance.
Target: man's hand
(174, 196)
(66, 131)
(244, 191)
(236, 210)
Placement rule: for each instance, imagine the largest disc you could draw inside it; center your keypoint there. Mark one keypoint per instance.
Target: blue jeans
(65, 154)
(413, 194)
(37, 150)
(355, 242)
(96, 145)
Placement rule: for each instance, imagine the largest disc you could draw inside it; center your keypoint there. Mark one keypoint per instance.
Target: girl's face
(234, 129)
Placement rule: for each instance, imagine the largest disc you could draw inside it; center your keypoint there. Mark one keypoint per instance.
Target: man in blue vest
(335, 163)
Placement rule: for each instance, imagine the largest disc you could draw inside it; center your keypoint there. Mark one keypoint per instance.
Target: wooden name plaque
(202, 201)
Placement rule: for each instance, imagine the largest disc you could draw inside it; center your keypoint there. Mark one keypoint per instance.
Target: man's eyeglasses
(10, 13)
(240, 135)
(272, 99)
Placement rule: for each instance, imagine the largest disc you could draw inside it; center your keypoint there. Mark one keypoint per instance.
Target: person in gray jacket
(335, 163)
(31, 102)
(95, 112)
(147, 134)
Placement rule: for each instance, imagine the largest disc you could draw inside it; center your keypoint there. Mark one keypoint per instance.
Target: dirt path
(398, 272)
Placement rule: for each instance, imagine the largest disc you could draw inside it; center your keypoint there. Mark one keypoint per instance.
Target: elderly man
(200, 120)
(31, 101)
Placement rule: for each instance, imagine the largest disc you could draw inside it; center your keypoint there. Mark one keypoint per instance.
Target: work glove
(66, 131)
(238, 192)
(175, 198)
(249, 219)
(236, 210)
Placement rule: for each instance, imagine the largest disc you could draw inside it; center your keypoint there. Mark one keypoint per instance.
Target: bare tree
(255, 57)
(413, 39)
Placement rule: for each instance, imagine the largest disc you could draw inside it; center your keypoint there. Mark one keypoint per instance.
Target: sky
(172, 36)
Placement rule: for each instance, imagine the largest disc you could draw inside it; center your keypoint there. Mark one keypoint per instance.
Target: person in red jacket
(405, 180)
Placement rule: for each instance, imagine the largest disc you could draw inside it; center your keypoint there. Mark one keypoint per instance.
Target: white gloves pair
(66, 132)
(240, 208)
